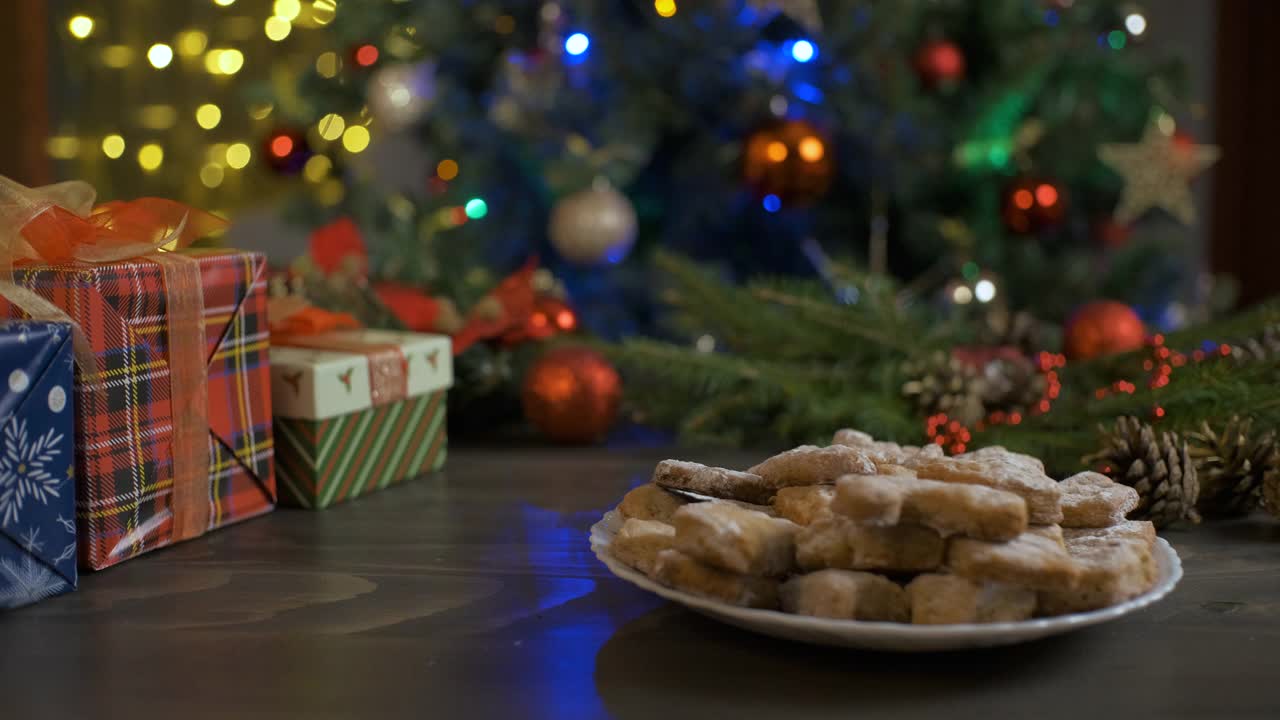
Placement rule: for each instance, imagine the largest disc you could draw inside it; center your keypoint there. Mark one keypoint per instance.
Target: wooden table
(473, 594)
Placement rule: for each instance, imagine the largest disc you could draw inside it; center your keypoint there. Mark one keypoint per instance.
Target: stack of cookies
(867, 530)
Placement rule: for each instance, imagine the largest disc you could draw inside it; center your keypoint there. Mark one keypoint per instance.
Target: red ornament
(339, 246)
(286, 150)
(1101, 328)
(571, 395)
(940, 63)
(1032, 205)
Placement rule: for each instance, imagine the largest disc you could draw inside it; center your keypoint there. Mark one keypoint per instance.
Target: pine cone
(1271, 494)
(1263, 346)
(1012, 385)
(1158, 467)
(940, 383)
(1233, 466)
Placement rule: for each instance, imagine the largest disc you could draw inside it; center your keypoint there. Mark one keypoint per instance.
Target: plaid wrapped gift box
(125, 423)
(37, 484)
(341, 433)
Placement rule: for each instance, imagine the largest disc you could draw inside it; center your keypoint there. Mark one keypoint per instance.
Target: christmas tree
(970, 148)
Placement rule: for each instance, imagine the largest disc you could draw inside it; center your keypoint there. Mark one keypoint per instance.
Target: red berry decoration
(571, 395)
(286, 150)
(1101, 328)
(1033, 205)
(940, 63)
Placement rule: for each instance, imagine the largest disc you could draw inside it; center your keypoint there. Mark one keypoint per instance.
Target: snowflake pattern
(25, 580)
(25, 465)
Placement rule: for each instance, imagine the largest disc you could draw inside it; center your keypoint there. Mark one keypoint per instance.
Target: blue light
(577, 43)
(772, 203)
(808, 93)
(803, 51)
(1051, 18)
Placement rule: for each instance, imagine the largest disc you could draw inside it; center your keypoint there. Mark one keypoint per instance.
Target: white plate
(882, 635)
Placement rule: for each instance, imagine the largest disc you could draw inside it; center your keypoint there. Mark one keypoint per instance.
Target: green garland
(793, 364)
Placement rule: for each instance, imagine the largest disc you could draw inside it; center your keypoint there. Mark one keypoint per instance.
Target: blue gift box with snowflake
(37, 449)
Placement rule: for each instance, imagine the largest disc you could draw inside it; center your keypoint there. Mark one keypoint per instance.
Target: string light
(327, 64)
(287, 9)
(281, 146)
(224, 3)
(223, 61)
(984, 290)
(322, 11)
(811, 149)
(160, 55)
(331, 126)
(577, 43)
(211, 175)
(962, 295)
(366, 55)
(775, 151)
(447, 169)
(238, 155)
(476, 208)
(317, 168)
(113, 146)
(1135, 23)
(802, 51)
(1116, 39)
(504, 25)
(355, 139)
(331, 192)
(192, 42)
(150, 157)
(277, 28)
(208, 116)
(665, 8)
(80, 26)
(772, 203)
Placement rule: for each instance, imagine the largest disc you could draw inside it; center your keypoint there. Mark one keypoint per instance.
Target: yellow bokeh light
(811, 149)
(287, 9)
(331, 126)
(113, 146)
(208, 116)
(63, 147)
(224, 3)
(327, 65)
(261, 111)
(117, 56)
(356, 138)
(277, 28)
(150, 157)
(160, 55)
(331, 192)
(775, 151)
(230, 61)
(192, 42)
(211, 175)
(504, 25)
(238, 155)
(322, 11)
(317, 168)
(447, 169)
(665, 8)
(81, 26)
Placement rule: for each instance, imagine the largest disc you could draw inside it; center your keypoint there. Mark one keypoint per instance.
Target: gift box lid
(37, 446)
(316, 384)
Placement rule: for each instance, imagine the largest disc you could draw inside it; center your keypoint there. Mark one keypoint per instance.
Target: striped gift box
(336, 437)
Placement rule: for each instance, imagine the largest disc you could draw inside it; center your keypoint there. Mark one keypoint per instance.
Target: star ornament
(1157, 172)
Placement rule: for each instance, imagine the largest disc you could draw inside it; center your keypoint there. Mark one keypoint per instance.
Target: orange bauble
(790, 159)
(571, 395)
(1103, 328)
